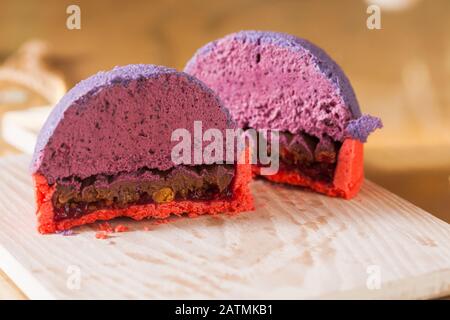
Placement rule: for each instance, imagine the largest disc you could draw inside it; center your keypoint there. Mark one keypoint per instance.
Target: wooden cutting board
(297, 244)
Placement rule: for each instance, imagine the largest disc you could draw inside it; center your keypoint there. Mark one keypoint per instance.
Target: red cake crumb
(101, 235)
(105, 226)
(121, 228)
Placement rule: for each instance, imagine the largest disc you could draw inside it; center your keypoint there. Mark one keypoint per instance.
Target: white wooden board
(297, 244)
(20, 128)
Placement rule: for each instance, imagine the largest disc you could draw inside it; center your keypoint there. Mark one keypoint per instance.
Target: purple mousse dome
(271, 80)
(122, 120)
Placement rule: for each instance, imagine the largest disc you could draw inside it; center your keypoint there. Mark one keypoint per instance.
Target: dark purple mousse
(122, 121)
(272, 80)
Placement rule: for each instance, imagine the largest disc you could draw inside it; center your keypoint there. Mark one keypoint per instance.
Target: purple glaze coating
(361, 128)
(278, 81)
(122, 120)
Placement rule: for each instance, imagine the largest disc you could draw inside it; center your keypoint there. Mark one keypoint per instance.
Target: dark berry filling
(74, 198)
(312, 157)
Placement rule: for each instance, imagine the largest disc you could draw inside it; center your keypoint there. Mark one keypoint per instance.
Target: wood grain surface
(8, 290)
(297, 244)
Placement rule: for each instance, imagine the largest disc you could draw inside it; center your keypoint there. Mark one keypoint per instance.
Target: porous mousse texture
(105, 151)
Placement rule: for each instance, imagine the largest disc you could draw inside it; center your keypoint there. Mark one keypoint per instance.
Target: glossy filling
(74, 198)
(311, 157)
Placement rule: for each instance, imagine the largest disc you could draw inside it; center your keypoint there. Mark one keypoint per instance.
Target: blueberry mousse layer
(108, 149)
(271, 80)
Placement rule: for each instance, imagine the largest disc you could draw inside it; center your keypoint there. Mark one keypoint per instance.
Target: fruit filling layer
(74, 197)
(310, 156)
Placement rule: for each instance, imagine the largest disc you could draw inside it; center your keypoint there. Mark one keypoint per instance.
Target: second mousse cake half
(276, 81)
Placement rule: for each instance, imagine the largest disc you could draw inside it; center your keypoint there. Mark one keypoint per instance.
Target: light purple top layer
(278, 81)
(122, 120)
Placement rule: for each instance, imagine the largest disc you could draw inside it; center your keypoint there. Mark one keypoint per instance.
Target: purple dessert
(105, 151)
(271, 80)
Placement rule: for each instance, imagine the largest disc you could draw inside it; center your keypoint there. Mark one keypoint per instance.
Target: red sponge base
(242, 201)
(348, 176)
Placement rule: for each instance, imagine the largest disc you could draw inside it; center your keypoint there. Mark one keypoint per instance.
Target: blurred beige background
(400, 73)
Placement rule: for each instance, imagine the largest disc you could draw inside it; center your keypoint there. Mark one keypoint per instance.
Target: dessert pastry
(280, 82)
(106, 151)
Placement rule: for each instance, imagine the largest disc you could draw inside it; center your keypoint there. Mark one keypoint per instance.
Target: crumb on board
(104, 230)
(105, 226)
(121, 228)
(101, 235)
